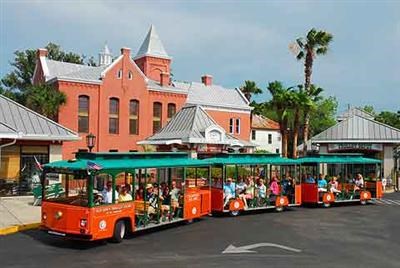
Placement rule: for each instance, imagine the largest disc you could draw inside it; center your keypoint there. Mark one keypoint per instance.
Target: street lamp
(90, 141)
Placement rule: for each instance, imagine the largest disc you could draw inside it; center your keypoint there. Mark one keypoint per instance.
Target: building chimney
(206, 79)
(126, 51)
(164, 79)
(41, 52)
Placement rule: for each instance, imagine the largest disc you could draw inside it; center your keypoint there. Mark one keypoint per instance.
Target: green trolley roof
(251, 159)
(337, 159)
(121, 161)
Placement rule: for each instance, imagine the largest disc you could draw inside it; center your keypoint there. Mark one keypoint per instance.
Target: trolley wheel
(119, 232)
(363, 202)
(279, 208)
(190, 221)
(327, 205)
(234, 213)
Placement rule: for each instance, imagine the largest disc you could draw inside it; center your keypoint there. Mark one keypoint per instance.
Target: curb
(18, 228)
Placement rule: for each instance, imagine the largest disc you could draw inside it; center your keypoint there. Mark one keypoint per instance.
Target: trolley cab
(339, 178)
(245, 182)
(106, 195)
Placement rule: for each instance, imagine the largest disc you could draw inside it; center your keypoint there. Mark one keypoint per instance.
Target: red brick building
(126, 100)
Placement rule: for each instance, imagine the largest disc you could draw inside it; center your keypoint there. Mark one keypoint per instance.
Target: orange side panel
(309, 193)
(379, 192)
(192, 205)
(297, 194)
(217, 199)
(104, 218)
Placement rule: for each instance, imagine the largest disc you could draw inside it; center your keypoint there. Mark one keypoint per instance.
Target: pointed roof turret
(152, 46)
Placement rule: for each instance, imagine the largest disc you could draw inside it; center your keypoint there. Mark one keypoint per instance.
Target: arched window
(171, 110)
(83, 114)
(134, 117)
(119, 74)
(113, 119)
(157, 115)
(130, 75)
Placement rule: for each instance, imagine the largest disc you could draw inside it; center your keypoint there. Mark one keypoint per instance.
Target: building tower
(152, 58)
(105, 57)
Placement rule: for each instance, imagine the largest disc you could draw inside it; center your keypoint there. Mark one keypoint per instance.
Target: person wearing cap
(151, 197)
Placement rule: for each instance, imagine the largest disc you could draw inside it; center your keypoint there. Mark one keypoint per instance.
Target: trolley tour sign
(337, 147)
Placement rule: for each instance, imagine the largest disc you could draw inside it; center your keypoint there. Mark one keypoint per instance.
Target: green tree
(389, 118)
(324, 115)
(301, 102)
(369, 109)
(17, 83)
(250, 88)
(281, 97)
(307, 49)
(45, 100)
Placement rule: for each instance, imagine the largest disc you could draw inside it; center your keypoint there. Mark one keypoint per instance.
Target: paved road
(345, 236)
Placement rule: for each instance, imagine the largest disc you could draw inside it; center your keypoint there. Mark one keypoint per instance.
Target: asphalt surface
(340, 236)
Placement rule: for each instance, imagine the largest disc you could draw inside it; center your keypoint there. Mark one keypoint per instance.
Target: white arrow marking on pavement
(246, 249)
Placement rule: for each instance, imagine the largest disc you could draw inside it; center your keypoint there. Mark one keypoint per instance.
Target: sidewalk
(17, 214)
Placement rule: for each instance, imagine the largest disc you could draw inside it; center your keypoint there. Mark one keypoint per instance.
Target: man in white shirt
(107, 194)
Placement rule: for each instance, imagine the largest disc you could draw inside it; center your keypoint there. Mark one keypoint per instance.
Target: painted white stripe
(393, 201)
(378, 201)
(386, 201)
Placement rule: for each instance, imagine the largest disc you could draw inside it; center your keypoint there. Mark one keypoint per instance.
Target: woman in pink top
(274, 187)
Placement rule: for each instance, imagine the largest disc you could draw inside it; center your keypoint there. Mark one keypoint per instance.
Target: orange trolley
(107, 195)
(243, 182)
(340, 172)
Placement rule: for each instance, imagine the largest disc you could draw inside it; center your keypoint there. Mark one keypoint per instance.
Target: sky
(231, 40)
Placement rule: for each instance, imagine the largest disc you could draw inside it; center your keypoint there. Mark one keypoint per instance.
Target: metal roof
(189, 125)
(152, 46)
(261, 122)
(359, 129)
(215, 96)
(17, 121)
(66, 70)
(354, 111)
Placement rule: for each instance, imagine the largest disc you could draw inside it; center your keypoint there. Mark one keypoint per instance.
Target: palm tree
(281, 99)
(303, 102)
(249, 88)
(316, 43)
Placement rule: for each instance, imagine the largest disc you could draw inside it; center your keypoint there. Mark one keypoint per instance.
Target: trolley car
(347, 178)
(157, 189)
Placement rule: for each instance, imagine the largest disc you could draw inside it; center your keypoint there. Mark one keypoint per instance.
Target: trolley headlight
(83, 223)
(44, 216)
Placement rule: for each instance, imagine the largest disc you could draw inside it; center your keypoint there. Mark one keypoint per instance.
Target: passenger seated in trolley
(151, 197)
(249, 192)
(241, 190)
(261, 190)
(124, 195)
(217, 183)
(334, 185)
(309, 179)
(322, 183)
(287, 185)
(174, 194)
(107, 193)
(358, 182)
(229, 191)
(274, 188)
